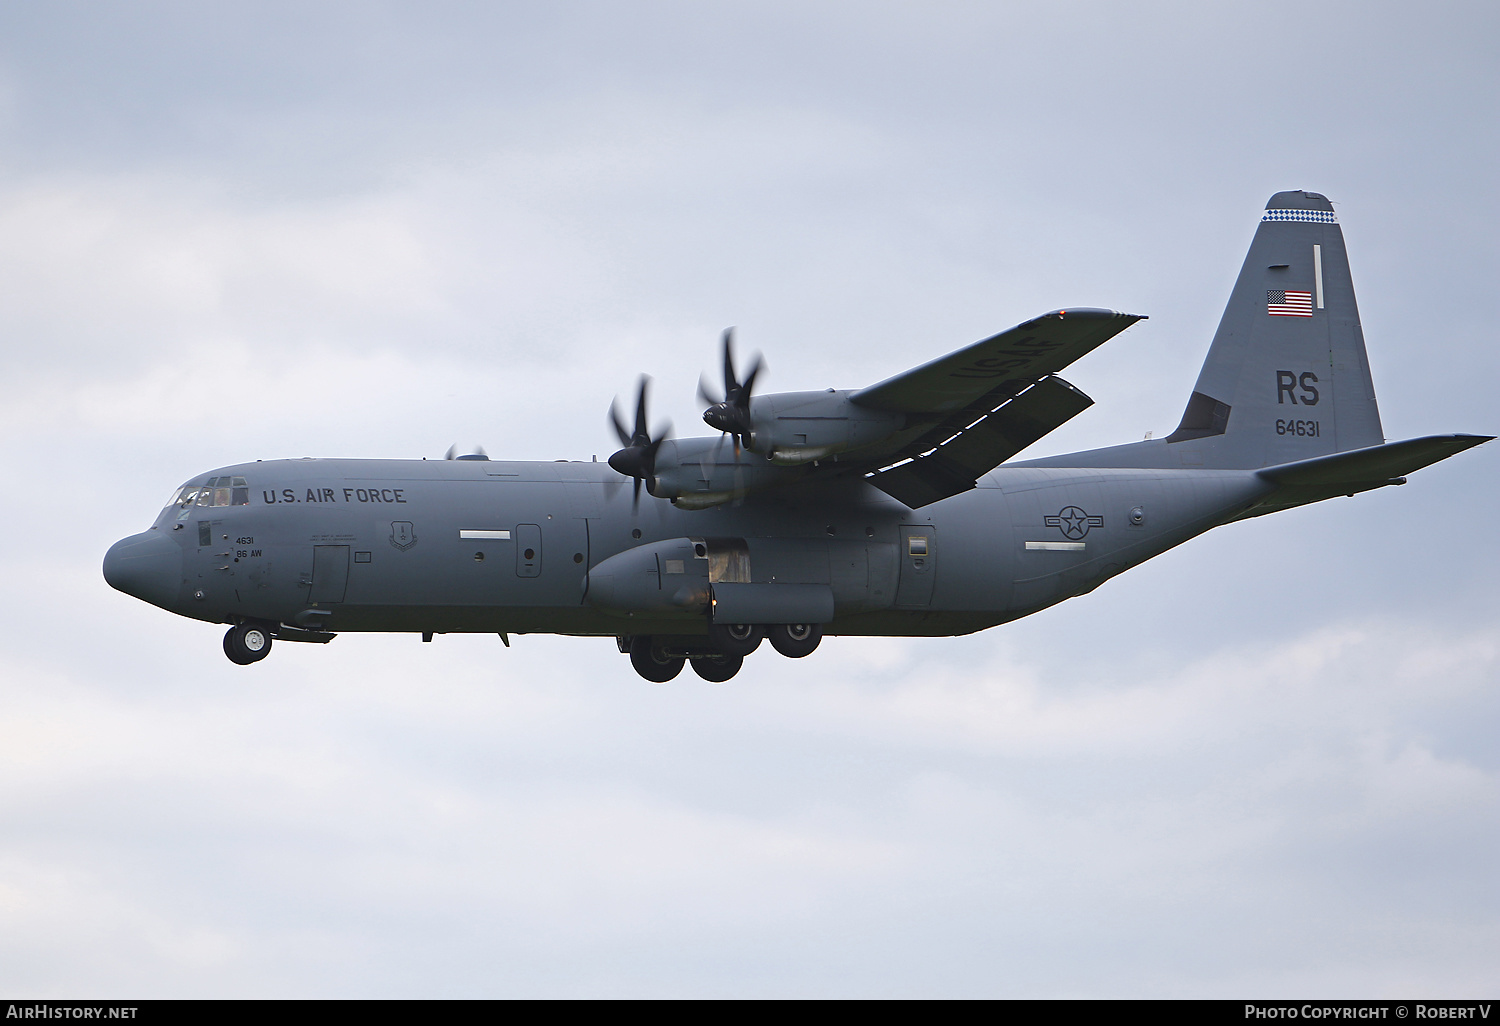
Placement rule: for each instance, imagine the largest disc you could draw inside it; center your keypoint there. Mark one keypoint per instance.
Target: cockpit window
(216, 491)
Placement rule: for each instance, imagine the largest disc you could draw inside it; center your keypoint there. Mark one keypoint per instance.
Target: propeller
(638, 457)
(454, 454)
(732, 413)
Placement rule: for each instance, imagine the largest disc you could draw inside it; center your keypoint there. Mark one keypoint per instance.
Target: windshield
(216, 491)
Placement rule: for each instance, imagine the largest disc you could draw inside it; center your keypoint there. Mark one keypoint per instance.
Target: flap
(956, 464)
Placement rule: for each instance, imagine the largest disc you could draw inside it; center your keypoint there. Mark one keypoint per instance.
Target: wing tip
(1089, 313)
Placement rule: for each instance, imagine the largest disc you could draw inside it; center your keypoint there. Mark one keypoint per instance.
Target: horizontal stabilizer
(1359, 470)
(956, 464)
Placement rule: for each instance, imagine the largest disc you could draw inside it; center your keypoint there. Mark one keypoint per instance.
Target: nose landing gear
(246, 643)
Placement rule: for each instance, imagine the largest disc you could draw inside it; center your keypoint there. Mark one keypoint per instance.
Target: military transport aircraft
(886, 510)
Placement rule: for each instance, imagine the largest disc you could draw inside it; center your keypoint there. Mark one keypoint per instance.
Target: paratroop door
(330, 573)
(918, 552)
(528, 550)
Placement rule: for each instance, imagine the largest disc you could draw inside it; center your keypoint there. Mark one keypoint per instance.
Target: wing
(978, 407)
(978, 378)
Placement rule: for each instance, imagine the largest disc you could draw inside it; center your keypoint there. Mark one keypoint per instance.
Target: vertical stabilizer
(1287, 377)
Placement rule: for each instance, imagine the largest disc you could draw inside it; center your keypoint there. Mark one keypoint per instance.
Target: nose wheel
(246, 643)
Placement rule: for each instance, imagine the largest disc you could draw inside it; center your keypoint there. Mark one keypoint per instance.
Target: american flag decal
(1286, 303)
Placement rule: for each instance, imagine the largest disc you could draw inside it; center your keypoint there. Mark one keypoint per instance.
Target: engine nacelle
(792, 428)
(696, 473)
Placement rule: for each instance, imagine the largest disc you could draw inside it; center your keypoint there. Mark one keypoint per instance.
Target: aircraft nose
(147, 566)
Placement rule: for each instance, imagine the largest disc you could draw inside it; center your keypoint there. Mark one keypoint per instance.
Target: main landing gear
(795, 640)
(652, 660)
(246, 643)
(720, 655)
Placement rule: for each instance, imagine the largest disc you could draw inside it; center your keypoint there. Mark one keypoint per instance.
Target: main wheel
(651, 662)
(717, 669)
(245, 644)
(734, 639)
(795, 640)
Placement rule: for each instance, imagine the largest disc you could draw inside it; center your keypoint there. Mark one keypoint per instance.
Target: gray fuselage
(493, 546)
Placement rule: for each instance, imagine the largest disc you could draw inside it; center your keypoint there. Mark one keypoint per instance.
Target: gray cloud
(1259, 764)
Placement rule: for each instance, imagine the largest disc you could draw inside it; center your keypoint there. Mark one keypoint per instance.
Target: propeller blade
(748, 385)
(703, 393)
(618, 424)
(709, 460)
(641, 436)
(452, 453)
(730, 382)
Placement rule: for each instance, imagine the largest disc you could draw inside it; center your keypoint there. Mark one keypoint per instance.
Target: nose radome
(146, 565)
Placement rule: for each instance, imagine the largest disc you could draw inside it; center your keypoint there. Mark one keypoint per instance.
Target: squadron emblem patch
(403, 535)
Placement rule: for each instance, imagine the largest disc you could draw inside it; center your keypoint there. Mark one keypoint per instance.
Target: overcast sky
(1262, 764)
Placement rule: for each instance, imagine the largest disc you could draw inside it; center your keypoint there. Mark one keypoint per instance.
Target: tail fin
(1287, 377)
